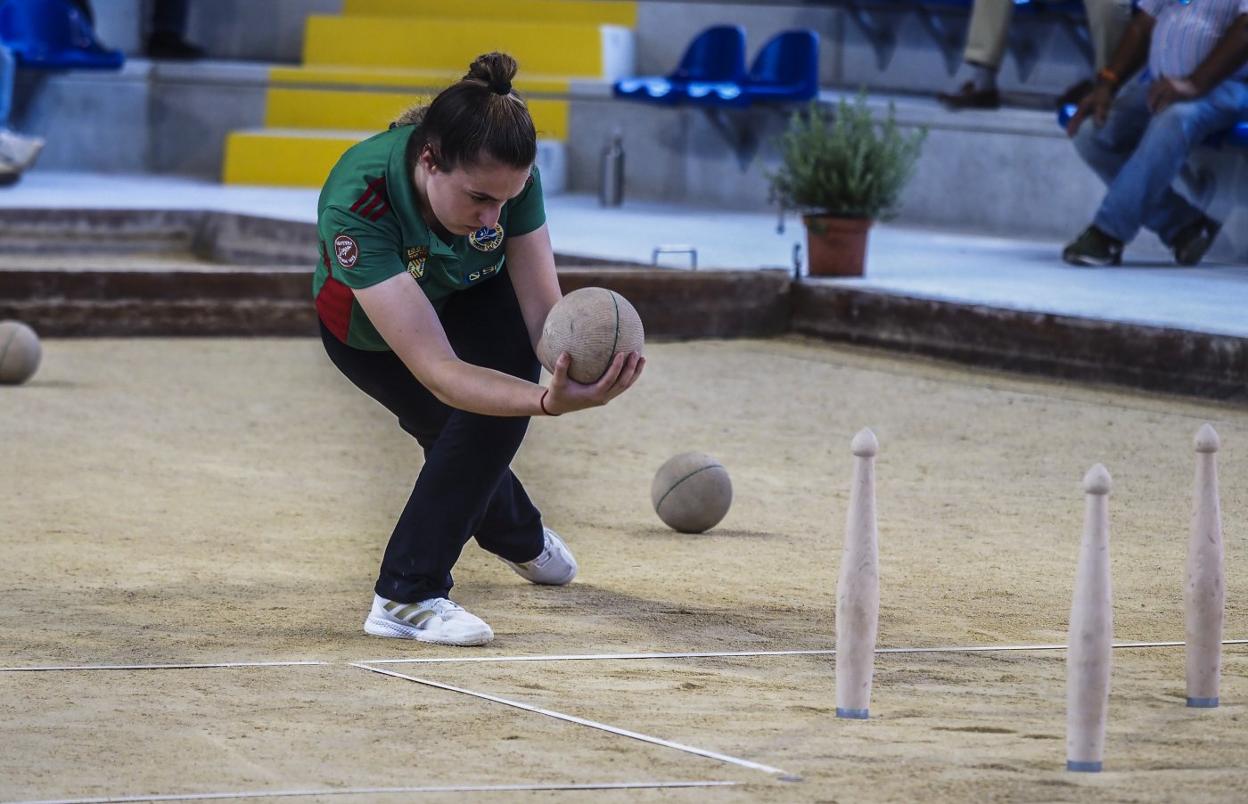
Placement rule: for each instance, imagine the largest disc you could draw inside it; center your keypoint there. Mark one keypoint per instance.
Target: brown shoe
(968, 97)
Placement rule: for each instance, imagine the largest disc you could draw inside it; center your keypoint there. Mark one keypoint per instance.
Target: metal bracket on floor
(675, 249)
(950, 39)
(880, 34)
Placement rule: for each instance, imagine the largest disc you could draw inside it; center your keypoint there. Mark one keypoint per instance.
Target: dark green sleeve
(527, 212)
(361, 253)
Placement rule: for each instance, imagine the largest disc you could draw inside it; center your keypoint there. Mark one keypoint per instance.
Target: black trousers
(466, 486)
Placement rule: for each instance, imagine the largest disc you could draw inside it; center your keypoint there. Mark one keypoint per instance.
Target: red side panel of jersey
(333, 303)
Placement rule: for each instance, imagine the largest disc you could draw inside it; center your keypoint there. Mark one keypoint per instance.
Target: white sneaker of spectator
(19, 152)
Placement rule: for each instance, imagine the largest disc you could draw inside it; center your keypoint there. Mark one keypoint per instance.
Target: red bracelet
(543, 404)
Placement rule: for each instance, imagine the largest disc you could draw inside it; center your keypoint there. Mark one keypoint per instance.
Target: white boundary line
(376, 791)
(584, 657)
(58, 668)
(605, 657)
(587, 657)
(593, 724)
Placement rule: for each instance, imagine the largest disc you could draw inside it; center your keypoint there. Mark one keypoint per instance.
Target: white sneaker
(437, 620)
(554, 567)
(17, 151)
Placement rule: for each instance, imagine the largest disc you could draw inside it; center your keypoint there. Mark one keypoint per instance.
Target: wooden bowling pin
(1204, 594)
(1091, 633)
(858, 592)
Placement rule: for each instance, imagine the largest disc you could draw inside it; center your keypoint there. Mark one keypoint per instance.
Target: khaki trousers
(990, 22)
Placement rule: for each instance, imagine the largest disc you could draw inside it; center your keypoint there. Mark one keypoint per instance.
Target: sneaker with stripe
(437, 620)
(554, 567)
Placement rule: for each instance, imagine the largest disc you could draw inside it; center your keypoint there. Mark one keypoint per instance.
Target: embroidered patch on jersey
(347, 250)
(416, 256)
(487, 238)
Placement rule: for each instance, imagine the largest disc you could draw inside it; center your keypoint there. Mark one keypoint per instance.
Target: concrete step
(601, 12)
(303, 157)
(373, 110)
(549, 48)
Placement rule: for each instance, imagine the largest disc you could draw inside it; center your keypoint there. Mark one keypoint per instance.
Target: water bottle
(611, 172)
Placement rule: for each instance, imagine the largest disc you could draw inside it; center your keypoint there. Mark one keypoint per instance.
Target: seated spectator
(166, 36)
(989, 32)
(17, 153)
(1196, 85)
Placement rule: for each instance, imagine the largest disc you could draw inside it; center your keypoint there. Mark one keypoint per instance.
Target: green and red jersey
(370, 229)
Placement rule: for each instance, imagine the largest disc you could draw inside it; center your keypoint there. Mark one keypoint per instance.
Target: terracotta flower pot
(836, 246)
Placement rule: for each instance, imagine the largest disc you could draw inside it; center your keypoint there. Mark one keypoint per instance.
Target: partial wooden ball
(19, 352)
(592, 325)
(691, 493)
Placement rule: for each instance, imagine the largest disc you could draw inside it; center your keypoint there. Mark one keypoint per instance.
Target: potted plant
(843, 174)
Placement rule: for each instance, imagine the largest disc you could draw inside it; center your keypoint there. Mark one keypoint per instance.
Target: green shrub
(849, 166)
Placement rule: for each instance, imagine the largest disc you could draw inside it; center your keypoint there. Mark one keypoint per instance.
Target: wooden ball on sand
(19, 352)
(592, 325)
(691, 492)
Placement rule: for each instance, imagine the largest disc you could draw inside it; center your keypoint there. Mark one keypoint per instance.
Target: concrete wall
(149, 117)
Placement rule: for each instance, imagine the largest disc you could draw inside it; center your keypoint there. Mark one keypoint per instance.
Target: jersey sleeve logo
(372, 203)
(347, 250)
(487, 238)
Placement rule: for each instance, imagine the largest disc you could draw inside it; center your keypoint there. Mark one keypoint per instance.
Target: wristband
(543, 404)
(1109, 76)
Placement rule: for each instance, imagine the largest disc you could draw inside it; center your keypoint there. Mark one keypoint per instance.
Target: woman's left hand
(565, 395)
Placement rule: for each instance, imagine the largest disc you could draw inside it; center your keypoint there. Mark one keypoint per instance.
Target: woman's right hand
(565, 395)
(1096, 103)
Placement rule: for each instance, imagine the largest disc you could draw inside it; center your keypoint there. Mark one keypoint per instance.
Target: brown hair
(478, 117)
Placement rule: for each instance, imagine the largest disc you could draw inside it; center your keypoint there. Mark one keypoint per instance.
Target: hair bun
(495, 70)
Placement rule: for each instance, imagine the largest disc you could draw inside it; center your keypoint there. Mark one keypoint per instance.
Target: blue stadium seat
(714, 61)
(1236, 135)
(786, 69)
(53, 35)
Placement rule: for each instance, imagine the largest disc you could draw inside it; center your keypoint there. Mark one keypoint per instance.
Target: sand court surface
(209, 501)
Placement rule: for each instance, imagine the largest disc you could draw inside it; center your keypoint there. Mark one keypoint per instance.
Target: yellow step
(285, 157)
(593, 11)
(552, 49)
(341, 109)
(429, 80)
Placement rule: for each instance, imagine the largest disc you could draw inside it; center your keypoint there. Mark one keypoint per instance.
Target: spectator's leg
(169, 17)
(1107, 22)
(985, 47)
(1141, 193)
(17, 152)
(988, 33)
(167, 37)
(8, 75)
(1106, 148)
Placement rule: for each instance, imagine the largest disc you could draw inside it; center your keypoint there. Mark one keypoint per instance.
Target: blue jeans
(8, 74)
(1138, 155)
